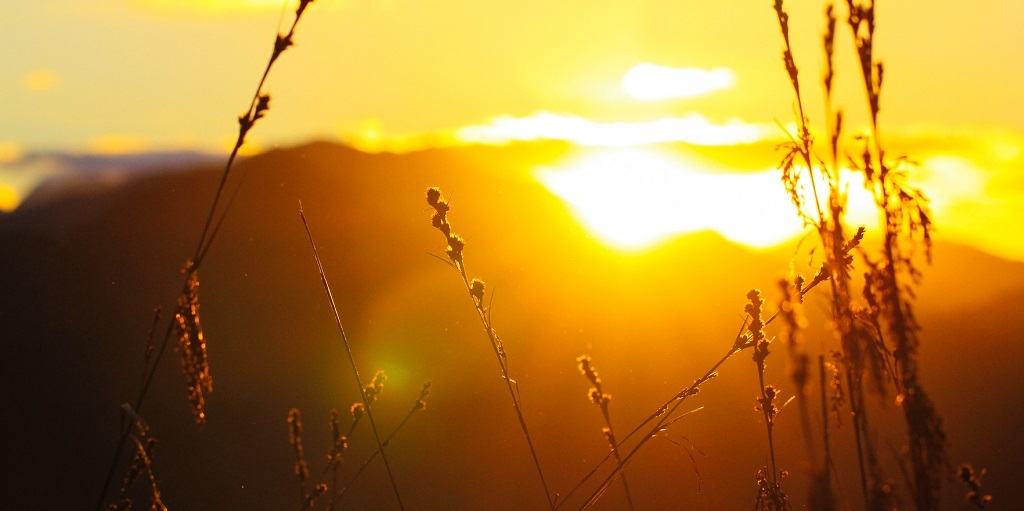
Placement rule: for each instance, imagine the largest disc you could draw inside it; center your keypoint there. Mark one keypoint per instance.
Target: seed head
(476, 290)
(295, 438)
(433, 196)
(376, 386)
(192, 345)
(357, 411)
(456, 243)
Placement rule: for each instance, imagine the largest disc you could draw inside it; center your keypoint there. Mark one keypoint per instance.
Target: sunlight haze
(403, 235)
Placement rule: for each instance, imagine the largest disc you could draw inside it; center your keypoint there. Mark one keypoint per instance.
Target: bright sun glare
(635, 198)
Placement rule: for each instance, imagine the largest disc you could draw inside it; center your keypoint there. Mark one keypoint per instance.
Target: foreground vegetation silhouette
(874, 352)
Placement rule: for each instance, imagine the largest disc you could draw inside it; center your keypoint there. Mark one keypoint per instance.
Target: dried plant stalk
(197, 368)
(295, 439)
(367, 392)
(879, 343)
(192, 345)
(598, 396)
(419, 405)
(475, 287)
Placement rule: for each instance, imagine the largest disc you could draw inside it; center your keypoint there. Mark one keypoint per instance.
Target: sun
(634, 199)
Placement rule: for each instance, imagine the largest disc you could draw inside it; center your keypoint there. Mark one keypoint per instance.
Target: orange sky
(138, 75)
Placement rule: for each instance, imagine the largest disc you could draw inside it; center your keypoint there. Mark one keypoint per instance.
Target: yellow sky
(178, 72)
(136, 75)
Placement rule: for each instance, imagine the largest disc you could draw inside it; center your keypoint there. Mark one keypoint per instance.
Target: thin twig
(475, 288)
(675, 402)
(351, 358)
(661, 412)
(415, 408)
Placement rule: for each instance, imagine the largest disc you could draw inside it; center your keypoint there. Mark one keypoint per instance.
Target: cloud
(11, 194)
(10, 152)
(653, 82)
(975, 203)
(119, 144)
(9, 198)
(18, 178)
(693, 129)
(38, 80)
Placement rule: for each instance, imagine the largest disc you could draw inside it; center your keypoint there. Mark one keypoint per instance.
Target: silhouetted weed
(475, 288)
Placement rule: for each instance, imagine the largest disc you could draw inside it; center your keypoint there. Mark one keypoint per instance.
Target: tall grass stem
(351, 359)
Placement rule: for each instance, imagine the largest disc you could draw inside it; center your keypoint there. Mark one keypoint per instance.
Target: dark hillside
(80, 276)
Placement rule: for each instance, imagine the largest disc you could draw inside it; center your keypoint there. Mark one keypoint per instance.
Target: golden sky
(138, 75)
(176, 73)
